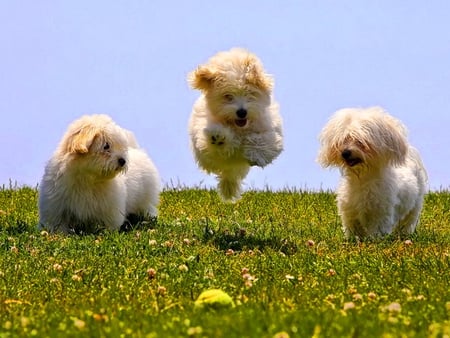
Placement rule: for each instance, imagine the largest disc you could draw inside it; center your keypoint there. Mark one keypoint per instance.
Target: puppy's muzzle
(241, 120)
(348, 157)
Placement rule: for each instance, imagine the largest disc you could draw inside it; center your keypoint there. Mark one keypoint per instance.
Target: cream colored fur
(235, 123)
(383, 178)
(97, 176)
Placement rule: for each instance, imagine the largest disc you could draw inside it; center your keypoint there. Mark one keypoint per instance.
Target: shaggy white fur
(383, 178)
(96, 178)
(235, 123)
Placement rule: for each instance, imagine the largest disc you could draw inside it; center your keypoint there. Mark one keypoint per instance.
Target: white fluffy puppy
(235, 123)
(97, 178)
(383, 178)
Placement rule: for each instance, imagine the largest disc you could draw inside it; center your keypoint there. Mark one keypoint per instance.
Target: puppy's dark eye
(228, 97)
(106, 146)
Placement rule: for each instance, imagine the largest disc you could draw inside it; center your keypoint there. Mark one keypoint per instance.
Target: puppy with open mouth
(235, 123)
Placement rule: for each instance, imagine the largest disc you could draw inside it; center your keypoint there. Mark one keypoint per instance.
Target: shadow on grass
(132, 222)
(19, 228)
(240, 240)
(136, 222)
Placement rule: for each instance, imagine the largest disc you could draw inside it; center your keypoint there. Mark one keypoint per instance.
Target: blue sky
(130, 59)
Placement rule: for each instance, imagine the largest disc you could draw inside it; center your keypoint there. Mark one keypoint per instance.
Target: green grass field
(281, 256)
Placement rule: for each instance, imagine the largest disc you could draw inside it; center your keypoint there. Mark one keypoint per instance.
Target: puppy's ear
(256, 77)
(80, 141)
(397, 142)
(328, 153)
(202, 78)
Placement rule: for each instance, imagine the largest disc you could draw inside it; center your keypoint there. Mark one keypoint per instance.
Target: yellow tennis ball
(214, 298)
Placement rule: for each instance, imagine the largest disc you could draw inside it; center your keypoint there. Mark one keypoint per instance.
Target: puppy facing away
(96, 179)
(383, 179)
(235, 122)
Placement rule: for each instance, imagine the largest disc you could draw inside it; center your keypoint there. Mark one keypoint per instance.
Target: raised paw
(258, 163)
(218, 139)
(256, 159)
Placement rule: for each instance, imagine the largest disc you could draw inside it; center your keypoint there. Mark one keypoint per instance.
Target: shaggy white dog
(97, 178)
(383, 178)
(235, 123)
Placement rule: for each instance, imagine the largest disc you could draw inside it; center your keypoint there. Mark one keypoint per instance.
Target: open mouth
(240, 122)
(353, 161)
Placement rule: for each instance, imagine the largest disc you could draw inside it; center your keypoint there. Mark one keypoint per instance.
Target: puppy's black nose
(122, 161)
(346, 154)
(241, 113)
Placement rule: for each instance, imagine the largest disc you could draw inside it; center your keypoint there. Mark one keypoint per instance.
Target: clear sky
(129, 59)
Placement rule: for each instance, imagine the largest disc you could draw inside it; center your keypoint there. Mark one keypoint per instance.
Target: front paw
(260, 164)
(216, 136)
(217, 139)
(256, 161)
